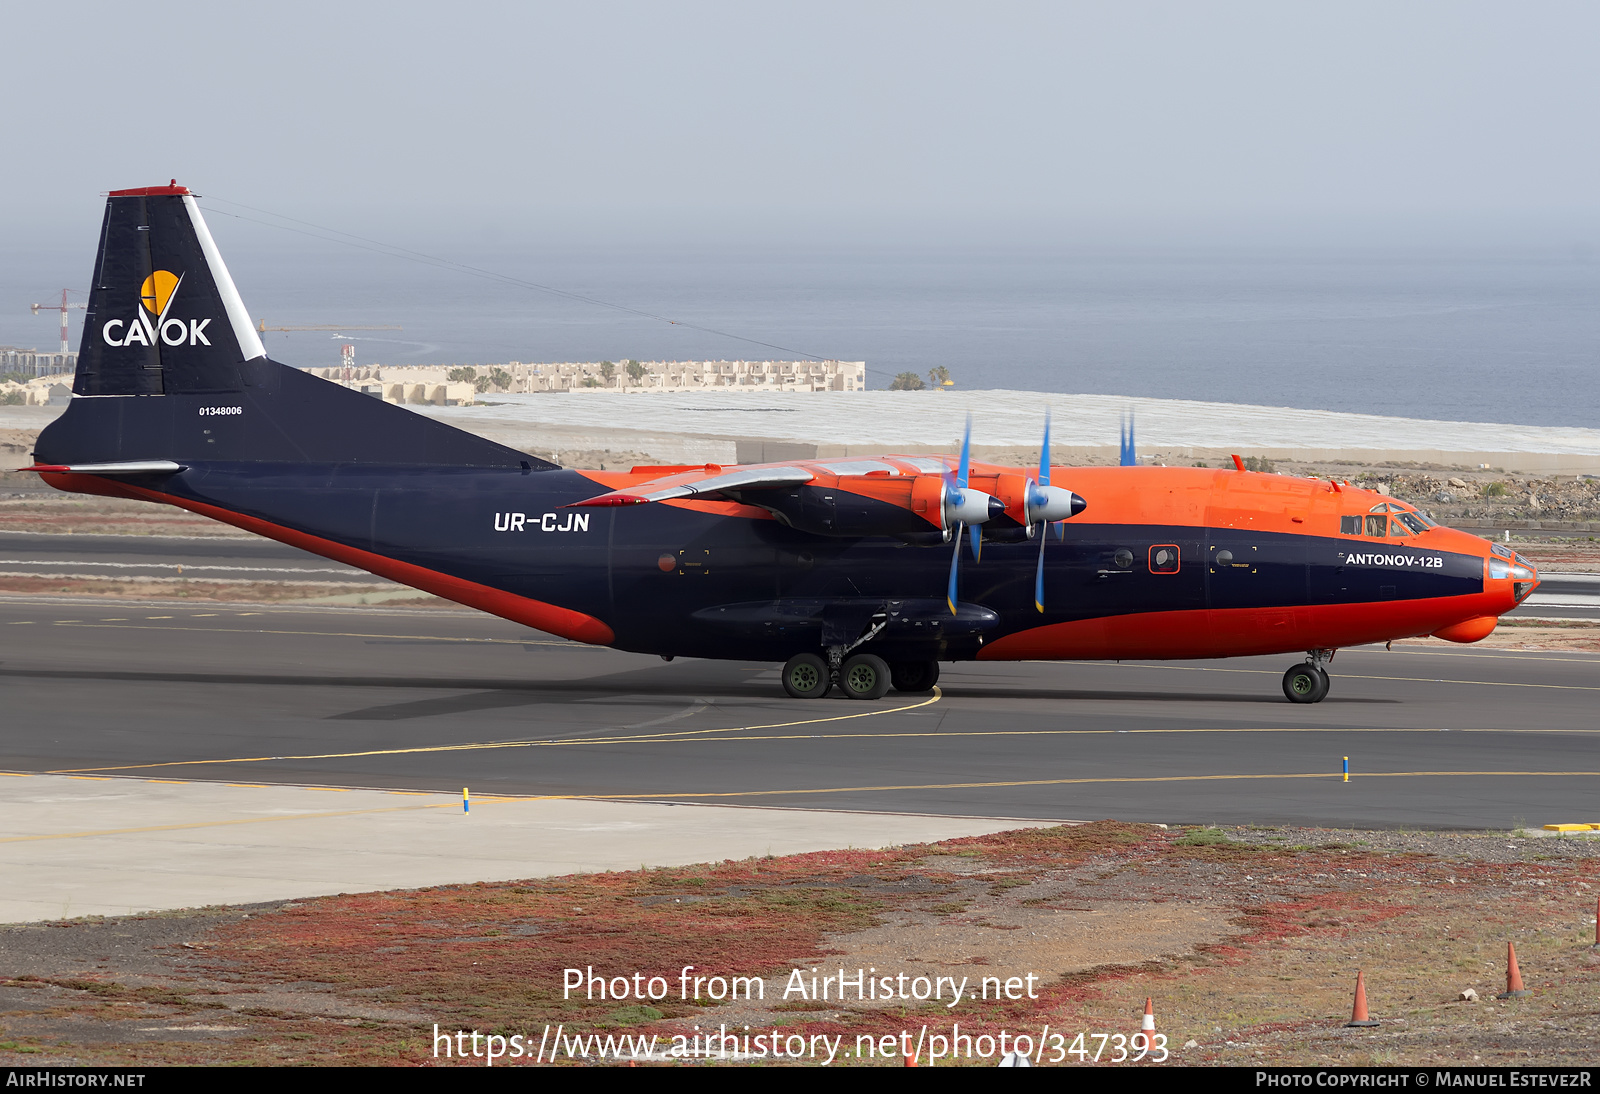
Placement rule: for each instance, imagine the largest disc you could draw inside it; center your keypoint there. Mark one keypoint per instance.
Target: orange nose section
(1508, 579)
(1516, 574)
(1533, 574)
(1472, 630)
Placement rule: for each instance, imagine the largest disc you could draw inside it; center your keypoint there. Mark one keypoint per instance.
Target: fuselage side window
(1350, 526)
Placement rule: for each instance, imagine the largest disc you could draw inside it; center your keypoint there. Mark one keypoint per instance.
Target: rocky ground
(1462, 496)
(1247, 940)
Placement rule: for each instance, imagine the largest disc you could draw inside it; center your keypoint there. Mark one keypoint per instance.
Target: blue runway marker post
(466, 802)
(1347, 769)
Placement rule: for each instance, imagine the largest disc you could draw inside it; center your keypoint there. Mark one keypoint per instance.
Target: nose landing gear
(1308, 683)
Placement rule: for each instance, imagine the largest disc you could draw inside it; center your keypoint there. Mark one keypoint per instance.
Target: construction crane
(64, 306)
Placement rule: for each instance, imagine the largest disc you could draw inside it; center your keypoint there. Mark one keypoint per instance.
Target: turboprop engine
(964, 505)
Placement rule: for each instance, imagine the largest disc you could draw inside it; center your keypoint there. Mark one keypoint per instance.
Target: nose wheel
(1305, 684)
(1308, 683)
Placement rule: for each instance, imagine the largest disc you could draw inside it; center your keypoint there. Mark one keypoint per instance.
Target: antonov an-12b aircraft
(861, 574)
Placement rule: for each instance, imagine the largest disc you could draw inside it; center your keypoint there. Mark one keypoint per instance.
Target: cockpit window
(1413, 521)
(1498, 569)
(1377, 524)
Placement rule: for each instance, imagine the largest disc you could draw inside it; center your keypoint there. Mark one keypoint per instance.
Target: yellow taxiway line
(478, 746)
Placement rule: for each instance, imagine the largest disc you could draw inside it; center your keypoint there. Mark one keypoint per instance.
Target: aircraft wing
(670, 487)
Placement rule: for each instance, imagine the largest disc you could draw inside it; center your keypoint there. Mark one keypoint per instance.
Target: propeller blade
(955, 563)
(1044, 453)
(966, 456)
(1038, 575)
(976, 533)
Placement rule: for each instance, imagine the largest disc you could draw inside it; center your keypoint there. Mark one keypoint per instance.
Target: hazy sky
(818, 121)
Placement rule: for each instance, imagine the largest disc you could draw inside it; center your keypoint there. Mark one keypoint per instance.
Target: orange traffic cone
(910, 1060)
(1358, 1014)
(1148, 1026)
(1514, 988)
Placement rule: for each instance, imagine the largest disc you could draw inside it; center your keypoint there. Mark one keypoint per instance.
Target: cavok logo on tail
(155, 297)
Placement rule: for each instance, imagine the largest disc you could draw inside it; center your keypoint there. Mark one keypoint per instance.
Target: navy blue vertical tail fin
(163, 316)
(171, 369)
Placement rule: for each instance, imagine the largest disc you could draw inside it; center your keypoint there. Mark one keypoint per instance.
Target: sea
(1510, 336)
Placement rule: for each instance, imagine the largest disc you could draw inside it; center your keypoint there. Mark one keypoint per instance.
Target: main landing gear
(1308, 683)
(862, 676)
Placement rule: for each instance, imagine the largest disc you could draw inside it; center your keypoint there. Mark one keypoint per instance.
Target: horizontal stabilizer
(126, 467)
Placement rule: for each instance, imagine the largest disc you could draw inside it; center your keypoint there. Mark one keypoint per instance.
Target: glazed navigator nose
(1504, 565)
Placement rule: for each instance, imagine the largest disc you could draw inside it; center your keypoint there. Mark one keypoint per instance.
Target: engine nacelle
(970, 506)
(1048, 504)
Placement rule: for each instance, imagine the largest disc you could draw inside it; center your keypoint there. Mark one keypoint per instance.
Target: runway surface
(435, 700)
(210, 558)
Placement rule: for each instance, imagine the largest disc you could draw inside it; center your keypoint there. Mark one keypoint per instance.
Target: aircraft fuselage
(723, 580)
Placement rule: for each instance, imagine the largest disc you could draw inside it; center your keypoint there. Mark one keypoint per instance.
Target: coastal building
(516, 377)
(692, 376)
(31, 362)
